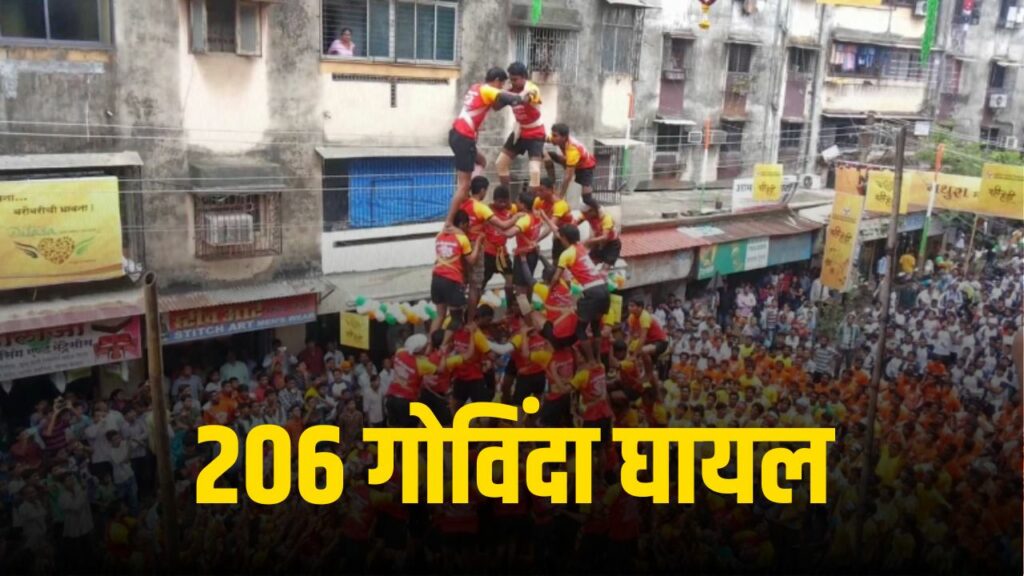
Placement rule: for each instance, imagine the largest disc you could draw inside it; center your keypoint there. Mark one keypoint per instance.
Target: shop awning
(764, 225)
(674, 121)
(250, 293)
(349, 152)
(220, 176)
(74, 310)
(657, 241)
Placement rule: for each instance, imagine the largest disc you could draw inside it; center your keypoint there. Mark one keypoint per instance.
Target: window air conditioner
(229, 229)
(810, 181)
(998, 101)
(695, 137)
(1010, 142)
(921, 8)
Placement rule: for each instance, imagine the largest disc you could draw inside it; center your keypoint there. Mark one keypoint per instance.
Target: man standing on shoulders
(529, 135)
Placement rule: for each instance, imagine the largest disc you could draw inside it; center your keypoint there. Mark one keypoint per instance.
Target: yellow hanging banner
(841, 240)
(768, 182)
(880, 191)
(956, 192)
(848, 179)
(59, 231)
(355, 330)
(614, 315)
(1002, 191)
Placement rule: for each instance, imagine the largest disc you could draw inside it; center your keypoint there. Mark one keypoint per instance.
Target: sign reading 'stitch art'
(59, 231)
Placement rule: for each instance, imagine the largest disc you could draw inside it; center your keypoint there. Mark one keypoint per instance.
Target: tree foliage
(965, 158)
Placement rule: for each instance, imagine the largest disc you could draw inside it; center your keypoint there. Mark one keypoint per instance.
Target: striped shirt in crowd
(823, 357)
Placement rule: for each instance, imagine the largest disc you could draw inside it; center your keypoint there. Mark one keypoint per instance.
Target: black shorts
(495, 264)
(556, 413)
(585, 177)
(475, 390)
(548, 332)
(534, 147)
(464, 149)
(556, 250)
(594, 304)
(607, 253)
(447, 292)
(524, 268)
(530, 385)
(604, 424)
(397, 413)
(660, 347)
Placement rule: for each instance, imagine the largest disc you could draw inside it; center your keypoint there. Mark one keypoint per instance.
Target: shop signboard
(49, 350)
(732, 257)
(743, 193)
(59, 231)
(793, 248)
(878, 228)
(355, 330)
(216, 321)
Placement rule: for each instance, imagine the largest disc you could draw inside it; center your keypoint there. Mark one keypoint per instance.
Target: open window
(414, 31)
(548, 51)
(56, 21)
(226, 26)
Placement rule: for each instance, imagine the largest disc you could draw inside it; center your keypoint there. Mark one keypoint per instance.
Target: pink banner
(70, 347)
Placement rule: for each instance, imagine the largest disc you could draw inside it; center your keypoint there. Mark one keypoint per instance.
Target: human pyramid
(557, 331)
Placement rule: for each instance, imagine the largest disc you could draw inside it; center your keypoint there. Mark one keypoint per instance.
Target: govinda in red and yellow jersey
(592, 384)
(409, 372)
(557, 209)
(479, 213)
(577, 261)
(655, 333)
(527, 113)
(527, 234)
(449, 249)
(475, 105)
(539, 353)
(576, 154)
(560, 373)
(495, 239)
(461, 342)
(560, 310)
(600, 225)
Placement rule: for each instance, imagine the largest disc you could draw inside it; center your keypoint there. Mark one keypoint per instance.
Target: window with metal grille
(790, 135)
(989, 137)
(623, 32)
(740, 56)
(801, 61)
(376, 192)
(56, 21)
(232, 225)
(548, 51)
(611, 175)
(406, 31)
(733, 136)
(232, 26)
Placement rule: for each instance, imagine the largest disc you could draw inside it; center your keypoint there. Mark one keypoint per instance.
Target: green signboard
(732, 257)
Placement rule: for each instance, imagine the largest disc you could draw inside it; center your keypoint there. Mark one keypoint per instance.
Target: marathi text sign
(840, 240)
(59, 231)
(215, 321)
(50, 350)
(956, 192)
(355, 330)
(743, 193)
(767, 182)
(879, 197)
(1002, 191)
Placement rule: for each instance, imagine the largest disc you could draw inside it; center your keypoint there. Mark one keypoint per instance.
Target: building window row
(55, 21)
(420, 31)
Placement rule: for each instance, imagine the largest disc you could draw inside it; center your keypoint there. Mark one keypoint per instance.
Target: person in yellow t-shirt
(907, 263)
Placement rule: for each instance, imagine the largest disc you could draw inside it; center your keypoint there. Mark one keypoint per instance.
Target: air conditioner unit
(810, 181)
(921, 8)
(228, 229)
(1010, 142)
(998, 101)
(718, 137)
(695, 137)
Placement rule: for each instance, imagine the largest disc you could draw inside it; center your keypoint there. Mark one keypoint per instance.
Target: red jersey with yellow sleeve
(603, 225)
(479, 213)
(631, 375)
(561, 370)
(558, 210)
(462, 340)
(539, 352)
(495, 239)
(449, 249)
(577, 261)
(593, 387)
(527, 234)
(560, 310)
(527, 113)
(475, 106)
(576, 154)
(655, 333)
(409, 372)
(439, 381)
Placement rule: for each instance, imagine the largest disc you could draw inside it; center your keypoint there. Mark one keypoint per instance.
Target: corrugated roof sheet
(84, 308)
(647, 242)
(206, 298)
(763, 225)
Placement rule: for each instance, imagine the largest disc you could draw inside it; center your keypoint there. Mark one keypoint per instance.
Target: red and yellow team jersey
(539, 356)
(603, 225)
(576, 154)
(475, 106)
(479, 213)
(576, 260)
(528, 234)
(557, 210)
(631, 375)
(449, 249)
(593, 387)
(527, 114)
(560, 373)
(655, 333)
(461, 341)
(494, 239)
(560, 310)
(409, 373)
(439, 381)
